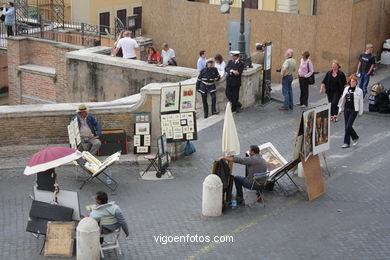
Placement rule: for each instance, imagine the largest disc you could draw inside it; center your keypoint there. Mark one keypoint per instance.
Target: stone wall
(92, 73)
(339, 31)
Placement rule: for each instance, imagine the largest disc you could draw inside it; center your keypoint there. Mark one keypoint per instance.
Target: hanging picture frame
(170, 99)
(321, 132)
(187, 98)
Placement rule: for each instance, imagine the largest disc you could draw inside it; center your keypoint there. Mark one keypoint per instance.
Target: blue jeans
(349, 117)
(241, 181)
(287, 91)
(363, 82)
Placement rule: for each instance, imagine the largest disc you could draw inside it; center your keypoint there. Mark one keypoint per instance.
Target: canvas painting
(321, 133)
(274, 159)
(187, 98)
(170, 99)
(308, 118)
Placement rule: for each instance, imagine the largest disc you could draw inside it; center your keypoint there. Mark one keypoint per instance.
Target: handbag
(310, 79)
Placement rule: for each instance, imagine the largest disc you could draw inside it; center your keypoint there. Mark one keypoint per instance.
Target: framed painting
(170, 99)
(187, 98)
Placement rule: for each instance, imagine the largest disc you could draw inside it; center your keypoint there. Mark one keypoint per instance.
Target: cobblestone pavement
(351, 221)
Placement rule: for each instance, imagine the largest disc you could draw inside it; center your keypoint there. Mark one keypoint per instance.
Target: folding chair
(93, 168)
(111, 239)
(155, 161)
(260, 180)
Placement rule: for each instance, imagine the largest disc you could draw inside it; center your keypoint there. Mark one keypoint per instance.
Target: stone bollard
(300, 170)
(212, 196)
(88, 239)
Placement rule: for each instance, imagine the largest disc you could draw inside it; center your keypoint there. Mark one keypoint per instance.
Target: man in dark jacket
(234, 69)
(90, 130)
(206, 84)
(255, 164)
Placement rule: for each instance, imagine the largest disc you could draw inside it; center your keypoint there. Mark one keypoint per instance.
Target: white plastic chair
(111, 240)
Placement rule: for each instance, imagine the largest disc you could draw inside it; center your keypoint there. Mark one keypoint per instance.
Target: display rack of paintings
(74, 134)
(142, 133)
(178, 116)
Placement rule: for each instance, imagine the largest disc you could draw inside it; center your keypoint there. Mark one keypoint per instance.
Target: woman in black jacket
(206, 84)
(333, 85)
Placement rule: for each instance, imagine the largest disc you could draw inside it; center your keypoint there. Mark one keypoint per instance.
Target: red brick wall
(23, 51)
(39, 86)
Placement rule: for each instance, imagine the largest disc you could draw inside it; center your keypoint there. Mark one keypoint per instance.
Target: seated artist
(107, 209)
(90, 130)
(255, 164)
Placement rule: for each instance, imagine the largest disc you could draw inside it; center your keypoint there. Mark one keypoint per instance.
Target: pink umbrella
(50, 158)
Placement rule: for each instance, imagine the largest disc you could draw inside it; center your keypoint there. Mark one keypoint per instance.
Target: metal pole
(241, 41)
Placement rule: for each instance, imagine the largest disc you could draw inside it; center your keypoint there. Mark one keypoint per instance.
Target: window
(138, 21)
(104, 22)
(121, 14)
(253, 4)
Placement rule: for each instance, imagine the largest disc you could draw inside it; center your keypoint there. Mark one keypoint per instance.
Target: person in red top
(154, 56)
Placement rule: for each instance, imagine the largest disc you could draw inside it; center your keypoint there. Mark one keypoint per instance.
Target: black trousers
(232, 93)
(349, 117)
(304, 86)
(206, 105)
(10, 32)
(333, 98)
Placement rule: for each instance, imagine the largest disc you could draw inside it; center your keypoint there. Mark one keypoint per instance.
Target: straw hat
(82, 108)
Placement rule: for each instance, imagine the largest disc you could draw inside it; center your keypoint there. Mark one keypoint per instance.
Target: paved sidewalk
(349, 222)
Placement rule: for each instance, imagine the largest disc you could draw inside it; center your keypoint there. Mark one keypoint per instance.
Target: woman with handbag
(333, 85)
(351, 102)
(305, 74)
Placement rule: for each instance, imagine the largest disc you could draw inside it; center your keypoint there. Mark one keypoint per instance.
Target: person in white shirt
(220, 64)
(168, 56)
(129, 47)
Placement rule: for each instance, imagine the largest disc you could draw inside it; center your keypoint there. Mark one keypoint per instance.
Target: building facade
(104, 12)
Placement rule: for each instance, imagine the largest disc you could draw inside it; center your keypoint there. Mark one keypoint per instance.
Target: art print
(142, 128)
(183, 121)
(273, 158)
(178, 136)
(185, 129)
(137, 140)
(321, 133)
(166, 124)
(170, 99)
(187, 98)
(164, 118)
(176, 117)
(147, 140)
(175, 123)
(190, 136)
(142, 149)
(177, 129)
(308, 122)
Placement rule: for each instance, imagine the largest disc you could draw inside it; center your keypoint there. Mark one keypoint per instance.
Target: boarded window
(104, 22)
(138, 21)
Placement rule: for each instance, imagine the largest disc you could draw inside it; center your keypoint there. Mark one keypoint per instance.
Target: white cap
(258, 44)
(235, 52)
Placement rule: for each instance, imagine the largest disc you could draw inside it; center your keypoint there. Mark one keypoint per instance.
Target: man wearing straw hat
(90, 130)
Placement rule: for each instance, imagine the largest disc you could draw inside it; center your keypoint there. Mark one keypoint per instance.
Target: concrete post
(212, 196)
(88, 239)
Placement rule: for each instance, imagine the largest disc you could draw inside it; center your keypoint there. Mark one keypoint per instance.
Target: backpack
(376, 89)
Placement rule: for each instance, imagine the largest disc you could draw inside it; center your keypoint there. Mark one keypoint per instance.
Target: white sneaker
(303, 106)
(345, 146)
(355, 142)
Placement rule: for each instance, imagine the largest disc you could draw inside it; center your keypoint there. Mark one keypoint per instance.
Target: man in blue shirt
(201, 61)
(9, 13)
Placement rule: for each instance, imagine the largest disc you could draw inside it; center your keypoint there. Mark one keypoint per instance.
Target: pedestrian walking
(333, 85)
(206, 84)
(365, 67)
(129, 47)
(9, 13)
(234, 70)
(306, 69)
(119, 53)
(351, 102)
(288, 68)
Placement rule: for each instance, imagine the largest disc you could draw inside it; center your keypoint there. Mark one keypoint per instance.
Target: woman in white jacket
(351, 102)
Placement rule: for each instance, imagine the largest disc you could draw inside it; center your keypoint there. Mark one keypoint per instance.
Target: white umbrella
(230, 141)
